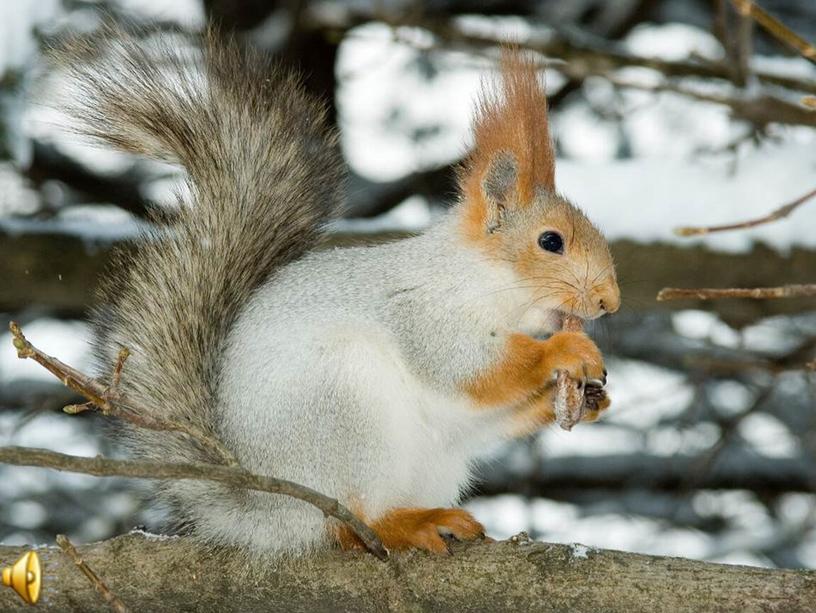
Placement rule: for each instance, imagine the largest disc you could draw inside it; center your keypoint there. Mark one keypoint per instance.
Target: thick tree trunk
(174, 574)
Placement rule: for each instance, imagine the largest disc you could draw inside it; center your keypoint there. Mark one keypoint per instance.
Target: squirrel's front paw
(576, 354)
(596, 402)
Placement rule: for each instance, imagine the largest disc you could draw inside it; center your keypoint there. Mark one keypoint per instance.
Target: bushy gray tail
(263, 178)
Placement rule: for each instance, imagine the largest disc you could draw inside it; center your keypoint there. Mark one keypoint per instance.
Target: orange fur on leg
(528, 366)
(409, 528)
(535, 414)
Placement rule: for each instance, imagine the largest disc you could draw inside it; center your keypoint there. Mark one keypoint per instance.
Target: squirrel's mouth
(580, 313)
(548, 321)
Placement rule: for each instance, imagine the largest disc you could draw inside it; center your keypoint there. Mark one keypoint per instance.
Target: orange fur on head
(511, 117)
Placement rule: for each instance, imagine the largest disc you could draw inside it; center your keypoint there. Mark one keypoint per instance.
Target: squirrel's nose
(609, 297)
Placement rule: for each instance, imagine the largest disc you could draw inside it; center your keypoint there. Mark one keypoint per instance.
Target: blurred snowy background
(666, 114)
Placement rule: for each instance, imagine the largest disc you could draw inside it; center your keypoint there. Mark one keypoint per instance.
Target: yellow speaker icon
(24, 577)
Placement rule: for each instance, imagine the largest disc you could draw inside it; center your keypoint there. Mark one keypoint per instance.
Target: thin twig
(70, 377)
(758, 293)
(776, 28)
(719, 24)
(108, 400)
(236, 477)
(116, 377)
(76, 409)
(744, 48)
(774, 215)
(112, 599)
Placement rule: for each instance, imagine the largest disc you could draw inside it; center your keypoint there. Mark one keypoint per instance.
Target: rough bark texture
(174, 574)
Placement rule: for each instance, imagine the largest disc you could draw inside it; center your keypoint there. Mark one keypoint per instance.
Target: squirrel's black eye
(551, 241)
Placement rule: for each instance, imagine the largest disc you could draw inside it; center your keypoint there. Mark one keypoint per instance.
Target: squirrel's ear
(512, 155)
(499, 187)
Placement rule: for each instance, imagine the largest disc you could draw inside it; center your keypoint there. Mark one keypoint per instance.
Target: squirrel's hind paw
(403, 529)
(426, 529)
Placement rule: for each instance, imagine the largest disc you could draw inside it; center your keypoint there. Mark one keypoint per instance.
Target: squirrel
(375, 375)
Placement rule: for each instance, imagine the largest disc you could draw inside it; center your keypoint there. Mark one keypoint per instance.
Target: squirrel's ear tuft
(510, 128)
(498, 187)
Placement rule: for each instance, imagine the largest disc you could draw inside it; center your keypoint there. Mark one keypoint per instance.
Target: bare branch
(719, 24)
(76, 409)
(99, 585)
(744, 48)
(70, 377)
(169, 575)
(757, 293)
(584, 55)
(108, 400)
(776, 28)
(124, 353)
(774, 215)
(759, 110)
(236, 477)
(736, 46)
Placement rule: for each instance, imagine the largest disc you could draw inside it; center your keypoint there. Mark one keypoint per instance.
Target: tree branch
(105, 400)
(236, 477)
(776, 28)
(757, 293)
(774, 215)
(68, 548)
(584, 55)
(759, 110)
(168, 574)
(743, 48)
